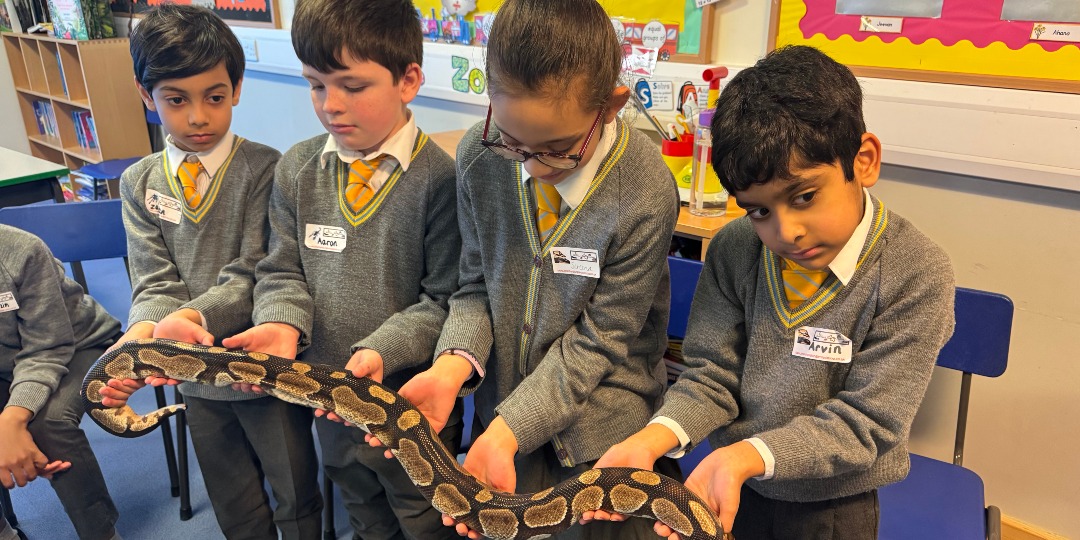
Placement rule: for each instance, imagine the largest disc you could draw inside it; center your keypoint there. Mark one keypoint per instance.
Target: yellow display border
(1029, 68)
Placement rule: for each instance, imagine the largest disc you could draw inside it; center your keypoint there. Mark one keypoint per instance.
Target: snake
(399, 425)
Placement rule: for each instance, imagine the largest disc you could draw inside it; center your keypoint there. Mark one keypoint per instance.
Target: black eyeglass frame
(522, 156)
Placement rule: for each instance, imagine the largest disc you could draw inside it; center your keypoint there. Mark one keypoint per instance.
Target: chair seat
(936, 500)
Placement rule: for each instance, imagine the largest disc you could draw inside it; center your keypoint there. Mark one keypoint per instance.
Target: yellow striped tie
(188, 174)
(359, 192)
(548, 203)
(801, 283)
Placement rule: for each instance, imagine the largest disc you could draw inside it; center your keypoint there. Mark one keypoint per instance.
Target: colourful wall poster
(968, 39)
(243, 12)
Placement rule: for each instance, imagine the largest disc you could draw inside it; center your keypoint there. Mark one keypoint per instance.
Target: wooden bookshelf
(74, 78)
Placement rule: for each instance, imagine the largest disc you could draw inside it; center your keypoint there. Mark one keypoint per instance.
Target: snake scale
(382, 412)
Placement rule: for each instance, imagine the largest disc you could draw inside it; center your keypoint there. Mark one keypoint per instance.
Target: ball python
(385, 414)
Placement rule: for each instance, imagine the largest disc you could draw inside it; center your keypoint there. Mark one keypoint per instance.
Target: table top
(18, 168)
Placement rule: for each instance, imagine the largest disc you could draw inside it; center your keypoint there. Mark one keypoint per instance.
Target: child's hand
(139, 330)
(20, 459)
(184, 325)
(434, 392)
(718, 481)
(364, 363)
(640, 450)
(278, 339)
(118, 391)
(491, 461)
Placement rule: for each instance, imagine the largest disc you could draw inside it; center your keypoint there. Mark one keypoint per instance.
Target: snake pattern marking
(382, 412)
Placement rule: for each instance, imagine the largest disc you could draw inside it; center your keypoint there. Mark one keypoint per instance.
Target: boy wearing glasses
(364, 242)
(566, 218)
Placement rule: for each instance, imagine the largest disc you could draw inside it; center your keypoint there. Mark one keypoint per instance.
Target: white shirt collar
(398, 146)
(211, 160)
(574, 187)
(845, 263)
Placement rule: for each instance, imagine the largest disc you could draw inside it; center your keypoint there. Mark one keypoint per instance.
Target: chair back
(74, 232)
(82, 231)
(980, 342)
(684, 278)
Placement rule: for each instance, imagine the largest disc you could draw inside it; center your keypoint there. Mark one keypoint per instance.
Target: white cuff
(766, 456)
(684, 439)
(465, 354)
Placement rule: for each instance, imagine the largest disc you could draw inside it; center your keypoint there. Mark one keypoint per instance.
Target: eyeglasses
(557, 160)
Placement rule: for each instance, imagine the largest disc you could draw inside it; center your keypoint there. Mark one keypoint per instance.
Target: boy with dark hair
(816, 322)
(196, 220)
(50, 335)
(364, 242)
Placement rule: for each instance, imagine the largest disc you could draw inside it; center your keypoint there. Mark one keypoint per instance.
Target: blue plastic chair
(946, 500)
(684, 278)
(94, 230)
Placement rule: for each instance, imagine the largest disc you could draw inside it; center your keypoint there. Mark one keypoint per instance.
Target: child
(50, 335)
(569, 352)
(816, 322)
(364, 245)
(196, 224)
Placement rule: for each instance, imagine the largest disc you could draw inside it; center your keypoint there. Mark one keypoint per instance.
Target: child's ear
(410, 83)
(147, 100)
(616, 102)
(868, 160)
(236, 92)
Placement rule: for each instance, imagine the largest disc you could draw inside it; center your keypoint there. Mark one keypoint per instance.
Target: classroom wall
(12, 132)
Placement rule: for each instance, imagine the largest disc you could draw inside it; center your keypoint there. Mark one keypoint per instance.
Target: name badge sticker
(7, 302)
(324, 238)
(163, 206)
(822, 344)
(579, 262)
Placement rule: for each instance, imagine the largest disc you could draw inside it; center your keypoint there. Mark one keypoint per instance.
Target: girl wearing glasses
(566, 215)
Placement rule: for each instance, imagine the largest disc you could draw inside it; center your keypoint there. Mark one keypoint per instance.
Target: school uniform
(567, 333)
(376, 276)
(825, 391)
(50, 335)
(202, 256)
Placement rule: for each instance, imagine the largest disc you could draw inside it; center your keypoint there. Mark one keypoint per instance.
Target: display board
(262, 13)
(1027, 44)
(683, 20)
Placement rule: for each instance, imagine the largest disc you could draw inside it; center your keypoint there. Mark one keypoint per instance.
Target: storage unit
(78, 99)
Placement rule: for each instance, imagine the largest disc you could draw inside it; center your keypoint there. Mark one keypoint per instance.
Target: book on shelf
(46, 119)
(84, 129)
(63, 79)
(81, 19)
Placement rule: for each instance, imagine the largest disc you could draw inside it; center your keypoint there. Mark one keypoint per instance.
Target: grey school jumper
(569, 359)
(835, 429)
(388, 289)
(54, 319)
(207, 261)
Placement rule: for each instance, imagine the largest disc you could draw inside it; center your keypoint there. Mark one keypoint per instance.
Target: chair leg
(170, 453)
(9, 512)
(328, 509)
(993, 523)
(181, 448)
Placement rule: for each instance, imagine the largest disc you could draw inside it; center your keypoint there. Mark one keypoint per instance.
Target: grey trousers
(847, 518)
(541, 470)
(382, 501)
(241, 443)
(56, 432)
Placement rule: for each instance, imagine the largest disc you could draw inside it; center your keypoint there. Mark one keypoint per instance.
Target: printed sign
(1056, 32)
(579, 262)
(822, 344)
(881, 25)
(324, 238)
